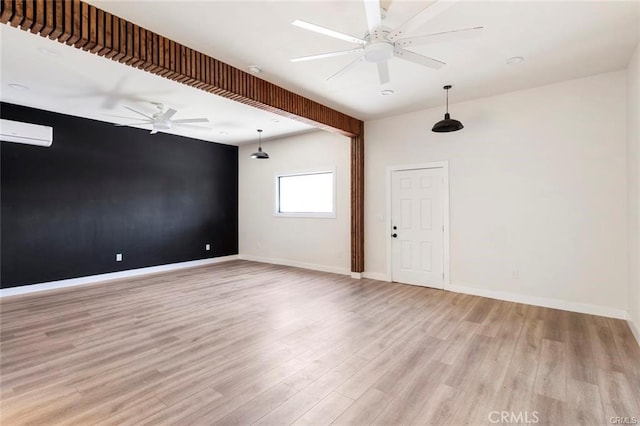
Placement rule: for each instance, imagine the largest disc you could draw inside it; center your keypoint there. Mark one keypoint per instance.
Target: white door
(417, 227)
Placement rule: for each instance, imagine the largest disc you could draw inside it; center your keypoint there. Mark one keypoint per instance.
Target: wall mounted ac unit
(30, 134)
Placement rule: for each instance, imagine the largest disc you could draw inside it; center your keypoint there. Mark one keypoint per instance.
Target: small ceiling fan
(161, 120)
(380, 43)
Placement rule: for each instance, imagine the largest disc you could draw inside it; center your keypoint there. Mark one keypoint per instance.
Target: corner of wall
(634, 330)
(633, 190)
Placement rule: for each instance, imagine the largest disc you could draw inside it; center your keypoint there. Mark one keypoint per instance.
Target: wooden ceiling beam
(86, 27)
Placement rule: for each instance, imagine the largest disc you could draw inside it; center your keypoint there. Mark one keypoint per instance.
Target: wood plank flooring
(245, 343)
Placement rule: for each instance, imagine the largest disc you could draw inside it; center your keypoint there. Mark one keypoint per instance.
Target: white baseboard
(492, 294)
(304, 265)
(583, 308)
(376, 276)
(12, 291)
(634, 329)
(356, 275)
(545, 302)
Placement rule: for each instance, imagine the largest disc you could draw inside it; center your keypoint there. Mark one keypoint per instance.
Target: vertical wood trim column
(357, 202)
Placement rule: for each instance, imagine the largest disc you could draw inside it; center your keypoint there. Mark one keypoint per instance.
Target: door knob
(394, 235)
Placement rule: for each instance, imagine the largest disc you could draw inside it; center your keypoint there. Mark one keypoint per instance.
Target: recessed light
(18, 86)
(254, 69)
(515, 60)
(48, 52)
(387, 92)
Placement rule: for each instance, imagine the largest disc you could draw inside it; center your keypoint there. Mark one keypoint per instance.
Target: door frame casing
(444, 165)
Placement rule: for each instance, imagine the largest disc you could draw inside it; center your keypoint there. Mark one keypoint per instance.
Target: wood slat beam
(89, 28)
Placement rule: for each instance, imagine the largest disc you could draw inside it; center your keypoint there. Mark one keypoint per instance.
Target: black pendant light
(260, 154)
(448, 124)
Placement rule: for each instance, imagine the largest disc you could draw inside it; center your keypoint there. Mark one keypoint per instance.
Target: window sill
(307, 215)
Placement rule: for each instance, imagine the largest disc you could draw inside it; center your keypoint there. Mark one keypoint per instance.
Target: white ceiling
(559, 41)
(70, 81)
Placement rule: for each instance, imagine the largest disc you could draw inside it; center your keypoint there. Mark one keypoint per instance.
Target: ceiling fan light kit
(260, 154)
(448, 124)
(380, 51)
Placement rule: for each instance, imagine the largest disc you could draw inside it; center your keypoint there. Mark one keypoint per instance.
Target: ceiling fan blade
(418, 59)
(189, 126)
(432, 10)
(347, 67)
(326, 55)
(374, 17)
(139, 113)
(132, 124)
(167, 115)
(326, 31)
(110, 100)
(454, 35)
(190, 120)
(383, 72)
(120, 116)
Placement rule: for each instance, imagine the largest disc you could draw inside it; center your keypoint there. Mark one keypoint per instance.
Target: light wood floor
(245, 343)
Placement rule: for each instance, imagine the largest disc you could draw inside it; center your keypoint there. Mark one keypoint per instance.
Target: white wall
(537, 185)
(317, 243)
(633, 171)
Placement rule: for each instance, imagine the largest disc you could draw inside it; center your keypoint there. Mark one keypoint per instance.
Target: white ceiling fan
(380, 43)
(161, 120)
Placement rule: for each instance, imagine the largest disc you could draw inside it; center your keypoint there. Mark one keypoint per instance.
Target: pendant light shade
(260, 154)
(448, 124)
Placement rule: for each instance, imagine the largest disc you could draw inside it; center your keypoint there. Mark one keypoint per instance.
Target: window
(306, 194)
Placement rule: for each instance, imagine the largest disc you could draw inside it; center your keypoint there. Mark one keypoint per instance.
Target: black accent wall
(100, 190)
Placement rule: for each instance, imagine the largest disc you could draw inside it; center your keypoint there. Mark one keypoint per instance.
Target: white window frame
(330, 215)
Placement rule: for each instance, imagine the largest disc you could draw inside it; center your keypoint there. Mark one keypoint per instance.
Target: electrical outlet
(515, 274)
(118, 257)
(207, 247)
